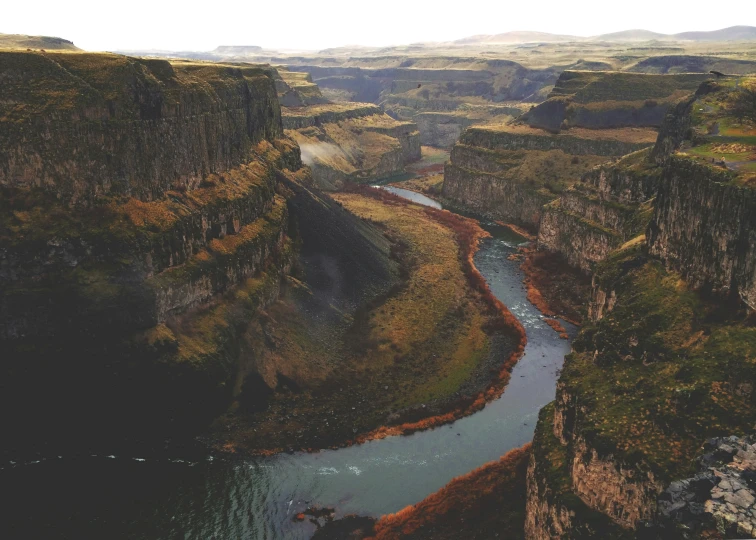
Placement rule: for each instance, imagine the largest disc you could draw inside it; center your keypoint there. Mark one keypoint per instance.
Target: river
(200, 496)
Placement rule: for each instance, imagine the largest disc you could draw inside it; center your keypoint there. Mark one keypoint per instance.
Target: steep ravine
(258, 497)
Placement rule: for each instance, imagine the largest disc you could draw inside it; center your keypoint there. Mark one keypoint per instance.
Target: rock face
(552, 509)
(535, 159)
(149, 213)
(351, 142)
(490, 195)
(297, 90)
(173, 171)
(510, 172)
(102, 133)
(704, 218)
(304, 117)
(719, 500)
(435, 93)
(704, 226)
(617, 491)
(659, 365)
(614, 203)
(600, 100)
(609, 206)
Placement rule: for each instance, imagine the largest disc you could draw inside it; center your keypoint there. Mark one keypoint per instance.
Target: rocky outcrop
(103, 132)
(600, 100)
(704, 217)
(547, 515)
(611, 205)
(304, 117)
(552, 509)
(703, 226)
(351, 142)
(510, 172)
(717, 502)
(575, 142)
(623, 493)
(297, 90)
(487, 194)
(565, 229)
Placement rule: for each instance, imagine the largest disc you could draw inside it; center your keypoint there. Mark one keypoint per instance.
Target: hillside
(631, 35)
(733, 33)
(18, 41)
(518, 37)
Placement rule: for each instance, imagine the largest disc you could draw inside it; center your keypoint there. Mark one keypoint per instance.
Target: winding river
(197, 496)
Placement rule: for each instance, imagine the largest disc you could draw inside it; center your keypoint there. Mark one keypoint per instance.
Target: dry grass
(405, 362)
(436, 287)
(430, 185)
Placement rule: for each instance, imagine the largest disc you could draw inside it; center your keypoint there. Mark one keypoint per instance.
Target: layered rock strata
(510, 172)
(609, 206)
(82, 129)
(151, 212)
(351, 142)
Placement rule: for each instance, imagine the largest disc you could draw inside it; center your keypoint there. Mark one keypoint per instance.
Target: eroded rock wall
(144, 225)
(704, 226)
(488, 194)
(568, 226)
(611, 205)
(96, 125)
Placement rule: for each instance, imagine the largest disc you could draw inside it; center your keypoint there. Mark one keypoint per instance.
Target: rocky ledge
(511, 171)
(719, 501)
(351, 141)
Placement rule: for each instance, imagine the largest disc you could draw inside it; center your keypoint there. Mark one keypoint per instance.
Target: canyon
(191, 253)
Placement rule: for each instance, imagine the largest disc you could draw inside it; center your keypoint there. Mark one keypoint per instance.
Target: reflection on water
(201, 497)
(413, 196)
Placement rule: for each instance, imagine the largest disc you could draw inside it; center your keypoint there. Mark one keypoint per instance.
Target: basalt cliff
(644, 437)
(510, 171)
(344, 142)
(151, 212)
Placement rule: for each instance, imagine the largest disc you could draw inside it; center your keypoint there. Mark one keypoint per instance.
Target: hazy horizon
(335, 23)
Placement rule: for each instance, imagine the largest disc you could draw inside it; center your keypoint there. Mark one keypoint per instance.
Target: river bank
(436, 348)
(258, 497)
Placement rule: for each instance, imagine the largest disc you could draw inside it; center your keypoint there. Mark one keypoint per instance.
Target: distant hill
(632, 35)
(18, 41)
(693, 64)
(733, 33)
(518, 37)
(237, 50)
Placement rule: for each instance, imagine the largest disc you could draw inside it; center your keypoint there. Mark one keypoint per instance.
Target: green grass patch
(663, 371)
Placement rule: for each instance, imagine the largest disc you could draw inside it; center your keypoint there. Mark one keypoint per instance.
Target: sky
(317, 24)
